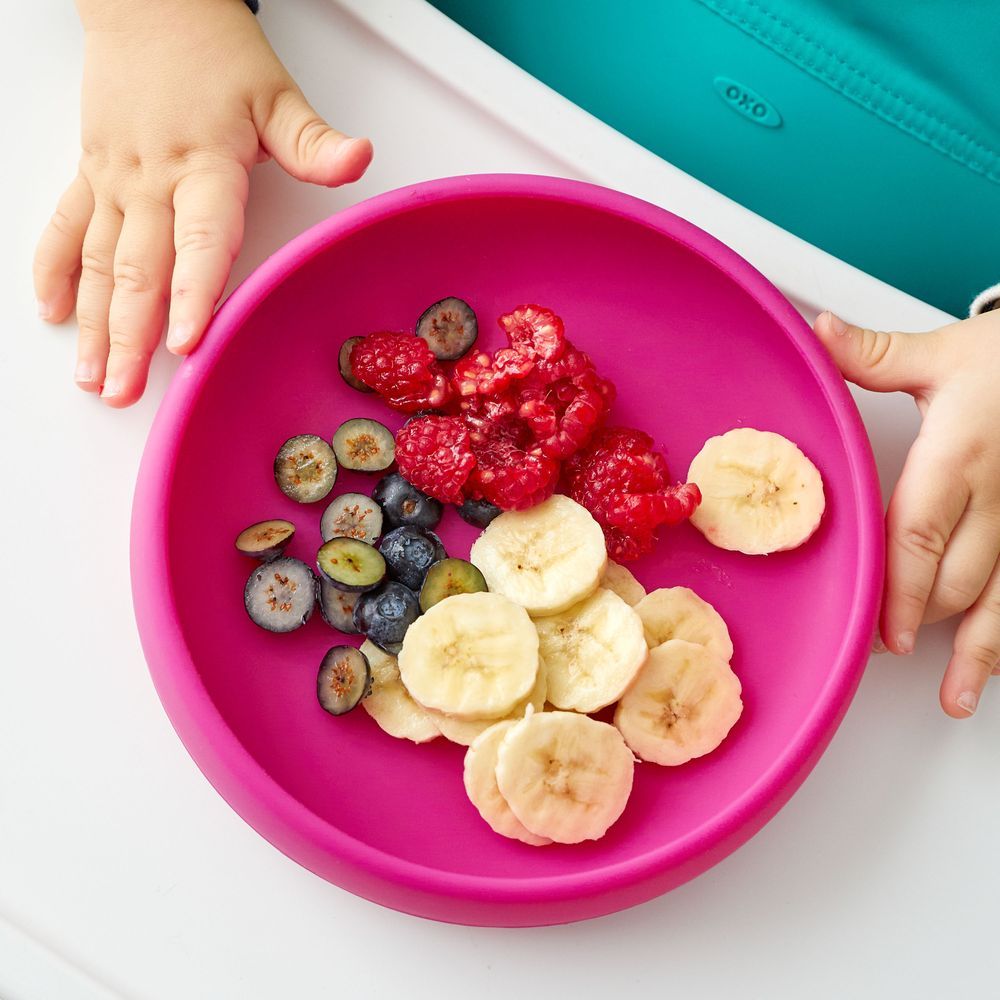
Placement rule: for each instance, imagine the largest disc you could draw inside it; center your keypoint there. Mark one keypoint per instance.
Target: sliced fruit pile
(511, 652)
(497, 428)
(513, 674)
(380, 564)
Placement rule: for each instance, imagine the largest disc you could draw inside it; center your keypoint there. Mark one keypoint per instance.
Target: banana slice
(623, 583)
(679, 613)
(592, 651)
(389, 703)
(480, 776)
(565, 776)
(546, 558)
(682, 705)
(759, 493)
(465, 731)
(474, 656)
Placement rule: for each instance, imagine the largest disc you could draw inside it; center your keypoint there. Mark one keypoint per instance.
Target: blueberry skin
(403, 504)
(440, 552)
(478, 513)
(409, 553)
(385, 614)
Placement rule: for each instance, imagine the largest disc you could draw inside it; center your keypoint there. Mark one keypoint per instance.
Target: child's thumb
(884, 362)
(306, 147)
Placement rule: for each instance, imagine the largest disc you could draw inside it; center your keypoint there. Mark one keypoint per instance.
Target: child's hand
(943, 521)
(180, 99)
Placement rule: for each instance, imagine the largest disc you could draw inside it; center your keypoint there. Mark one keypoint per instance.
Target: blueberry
(478, 512)
(440, 552)
(385, 614)
(351, 565)
(280, 595)
(403, 504)
(364, 445)
(448, 578)
(265, 540)
(449, 327)
(305, 468)
(344, 678)
(337, 606)
(409, 553)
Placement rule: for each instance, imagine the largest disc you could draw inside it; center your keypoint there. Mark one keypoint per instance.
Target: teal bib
(871, 129)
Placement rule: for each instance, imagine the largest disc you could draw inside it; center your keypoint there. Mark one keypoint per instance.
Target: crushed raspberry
(625, 484)
(506, 473)
(482, 375)
(478, 411)
(564, 413)
(401, 369)
(435, 455)
(535, 332)
(568, 365)
(518, 420)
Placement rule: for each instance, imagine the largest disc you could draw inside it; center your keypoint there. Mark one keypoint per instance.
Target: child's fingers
(208, 233)
(883, 362)
(968, 561)
(93, 298)
(57, 257)
(139, 303)
(927, 503)
(305, 145)
(976, 653)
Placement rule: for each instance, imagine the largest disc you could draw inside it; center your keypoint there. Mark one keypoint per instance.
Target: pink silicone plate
(697, 342)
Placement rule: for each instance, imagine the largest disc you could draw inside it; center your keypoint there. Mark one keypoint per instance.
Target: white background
(121, 871)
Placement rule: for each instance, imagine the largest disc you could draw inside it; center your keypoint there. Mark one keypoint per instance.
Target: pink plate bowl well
(697, 342)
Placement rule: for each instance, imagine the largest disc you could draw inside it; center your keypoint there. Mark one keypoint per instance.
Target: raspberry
(564, 413)
(478, 411)
(625, 485)
(401, 369)
(534, 332)
(482, 375)
(671, 505)
(435, 455)
(506, 474)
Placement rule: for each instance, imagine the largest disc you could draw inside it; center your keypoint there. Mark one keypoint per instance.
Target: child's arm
(943, 521)
(180, 99)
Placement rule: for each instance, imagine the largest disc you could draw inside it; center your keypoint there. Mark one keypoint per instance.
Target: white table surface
(122, 873)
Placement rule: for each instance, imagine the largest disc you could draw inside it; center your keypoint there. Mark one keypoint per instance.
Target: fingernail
(84, 374)
(967, 701)
(346, 148)
(906, 641)
(44, 309)
(179, 334)
(838, 326)
(112, 387)
(878, 646)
